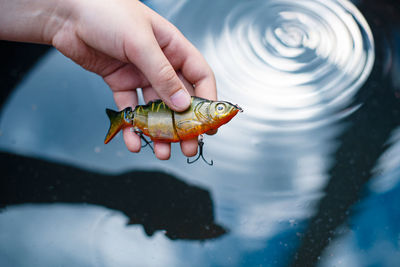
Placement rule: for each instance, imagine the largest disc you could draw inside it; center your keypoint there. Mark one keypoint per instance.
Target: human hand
(130, 46)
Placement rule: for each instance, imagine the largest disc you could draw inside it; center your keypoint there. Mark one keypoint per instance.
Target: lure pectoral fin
(117, 121)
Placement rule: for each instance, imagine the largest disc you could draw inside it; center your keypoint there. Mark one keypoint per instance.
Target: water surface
(307, 175)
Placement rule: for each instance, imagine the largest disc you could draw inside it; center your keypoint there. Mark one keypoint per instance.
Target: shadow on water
(362, 143)
(156, 200)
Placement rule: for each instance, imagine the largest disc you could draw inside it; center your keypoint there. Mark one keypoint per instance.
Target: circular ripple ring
(292, 61)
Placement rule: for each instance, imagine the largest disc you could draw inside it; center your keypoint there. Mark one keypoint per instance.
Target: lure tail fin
(116, 123)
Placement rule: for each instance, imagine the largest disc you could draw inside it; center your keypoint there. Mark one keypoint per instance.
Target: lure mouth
(238, 108)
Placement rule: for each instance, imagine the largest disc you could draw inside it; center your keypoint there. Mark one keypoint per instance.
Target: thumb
(152, 62)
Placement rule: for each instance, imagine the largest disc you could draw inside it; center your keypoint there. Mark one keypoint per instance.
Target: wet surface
(307, 175)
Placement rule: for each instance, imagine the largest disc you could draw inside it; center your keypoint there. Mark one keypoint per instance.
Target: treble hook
(201, 144)
(147, 142)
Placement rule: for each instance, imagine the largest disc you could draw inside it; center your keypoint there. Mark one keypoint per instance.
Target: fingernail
(181, 99)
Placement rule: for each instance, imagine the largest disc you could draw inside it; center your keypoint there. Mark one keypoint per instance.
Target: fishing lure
(157, 121)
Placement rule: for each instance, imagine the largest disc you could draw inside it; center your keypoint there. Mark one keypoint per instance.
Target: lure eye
(220, 107)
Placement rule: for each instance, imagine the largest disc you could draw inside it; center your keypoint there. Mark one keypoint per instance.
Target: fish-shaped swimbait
(157, 121)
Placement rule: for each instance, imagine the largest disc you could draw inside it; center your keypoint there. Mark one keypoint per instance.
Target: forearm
(32, 20)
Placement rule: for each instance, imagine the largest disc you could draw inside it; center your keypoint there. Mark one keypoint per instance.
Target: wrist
(33, 21)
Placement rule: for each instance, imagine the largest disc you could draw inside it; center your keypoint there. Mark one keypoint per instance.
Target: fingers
(165, 50)
(149, 58)
(132, 140)
(126, 77)
(189, 86)
(189, 147)
(162, 150)
(185, 57)
(153, 60)
(125, 99)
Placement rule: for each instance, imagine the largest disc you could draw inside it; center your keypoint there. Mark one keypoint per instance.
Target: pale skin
(123, 41)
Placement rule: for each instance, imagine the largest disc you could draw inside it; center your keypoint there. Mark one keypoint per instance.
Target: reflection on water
(320, 106)
(155, 200)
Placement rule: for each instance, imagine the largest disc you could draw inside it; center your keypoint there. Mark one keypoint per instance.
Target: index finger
(184, 56)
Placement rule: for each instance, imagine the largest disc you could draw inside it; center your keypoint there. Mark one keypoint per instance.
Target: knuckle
(209, 74)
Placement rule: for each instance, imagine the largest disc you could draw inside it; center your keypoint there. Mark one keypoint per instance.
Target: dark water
(308, 175)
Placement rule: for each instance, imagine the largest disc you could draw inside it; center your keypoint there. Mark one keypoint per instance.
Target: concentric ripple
(291, 62)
